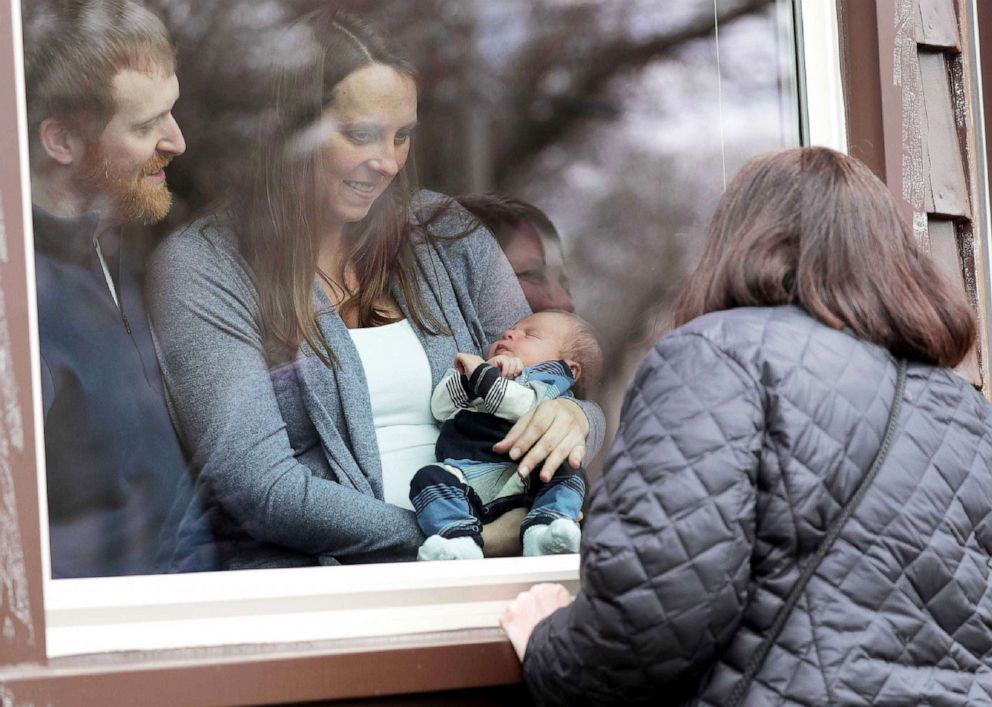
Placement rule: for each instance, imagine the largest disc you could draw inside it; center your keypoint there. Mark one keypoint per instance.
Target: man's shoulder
(63, 284)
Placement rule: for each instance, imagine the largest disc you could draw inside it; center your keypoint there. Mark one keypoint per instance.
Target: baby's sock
(560, 537)
(438, 548)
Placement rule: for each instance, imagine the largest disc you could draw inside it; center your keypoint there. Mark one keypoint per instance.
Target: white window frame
(984, 203)
(152, 612)
(101, 615)
(823, 110)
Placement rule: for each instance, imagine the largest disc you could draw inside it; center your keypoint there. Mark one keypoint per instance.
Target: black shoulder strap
(740, 689)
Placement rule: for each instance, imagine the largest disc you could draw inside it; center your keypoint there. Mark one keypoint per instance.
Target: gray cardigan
(286, 459)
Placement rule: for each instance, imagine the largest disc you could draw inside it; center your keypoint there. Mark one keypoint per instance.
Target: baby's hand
(466, 363)
(509, 366)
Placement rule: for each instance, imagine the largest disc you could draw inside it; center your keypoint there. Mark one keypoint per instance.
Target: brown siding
(858, 25)
(959, 143)
(937, 24)
(927, 146)
(22, 625)
(945, 188)
(277, 674)
(950, 249)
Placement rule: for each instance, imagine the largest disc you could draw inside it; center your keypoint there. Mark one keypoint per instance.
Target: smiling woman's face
(371, 121)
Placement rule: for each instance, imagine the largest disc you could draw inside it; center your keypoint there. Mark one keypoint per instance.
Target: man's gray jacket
(742, 436)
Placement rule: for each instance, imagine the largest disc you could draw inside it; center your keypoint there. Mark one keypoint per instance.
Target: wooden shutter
(913, 123)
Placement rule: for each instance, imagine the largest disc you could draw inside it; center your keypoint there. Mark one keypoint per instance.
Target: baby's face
(539, 337)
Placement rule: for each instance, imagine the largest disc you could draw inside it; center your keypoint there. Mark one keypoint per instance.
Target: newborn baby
(543, 356)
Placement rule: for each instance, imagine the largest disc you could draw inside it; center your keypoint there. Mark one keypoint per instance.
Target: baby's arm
(484, 387)
(453, 392)
(501, 396)
(450, 395)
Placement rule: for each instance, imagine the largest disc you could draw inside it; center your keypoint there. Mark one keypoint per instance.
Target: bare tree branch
(531, 136)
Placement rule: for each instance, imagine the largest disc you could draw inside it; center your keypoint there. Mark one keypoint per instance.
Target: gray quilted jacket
(743, 434)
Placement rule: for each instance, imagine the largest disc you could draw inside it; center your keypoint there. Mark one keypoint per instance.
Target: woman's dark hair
(502, 215)
(278, 215)
(815, 228)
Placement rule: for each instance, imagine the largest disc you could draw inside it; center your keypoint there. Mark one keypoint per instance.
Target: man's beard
(124, 193)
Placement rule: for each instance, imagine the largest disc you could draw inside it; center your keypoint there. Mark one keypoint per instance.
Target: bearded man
(101, 86)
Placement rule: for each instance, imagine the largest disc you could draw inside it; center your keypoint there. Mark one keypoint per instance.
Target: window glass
(235, 190)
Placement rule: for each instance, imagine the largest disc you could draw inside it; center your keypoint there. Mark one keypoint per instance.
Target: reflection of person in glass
(302, 332)
(531, 244)
(100, 87)
(748, 435)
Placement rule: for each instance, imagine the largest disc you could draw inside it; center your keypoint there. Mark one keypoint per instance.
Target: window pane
(614, 124)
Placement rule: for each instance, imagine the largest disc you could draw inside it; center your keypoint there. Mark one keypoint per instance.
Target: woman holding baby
(303, 331)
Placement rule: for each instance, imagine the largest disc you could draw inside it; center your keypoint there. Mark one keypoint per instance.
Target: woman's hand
(528, 610)
(552, 432)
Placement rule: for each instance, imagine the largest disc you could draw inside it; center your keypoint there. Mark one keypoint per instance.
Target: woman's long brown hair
(278, 214)
(815, 228)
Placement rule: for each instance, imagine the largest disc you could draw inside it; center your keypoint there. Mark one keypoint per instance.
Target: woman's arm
(667, 541)
(208, 325)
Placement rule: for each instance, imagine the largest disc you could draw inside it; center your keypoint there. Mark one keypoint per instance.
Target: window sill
(269, 674)
(285, 606)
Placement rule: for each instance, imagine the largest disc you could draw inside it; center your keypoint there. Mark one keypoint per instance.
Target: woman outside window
(743, 440)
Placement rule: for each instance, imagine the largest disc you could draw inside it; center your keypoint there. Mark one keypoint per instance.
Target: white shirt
(399, 379)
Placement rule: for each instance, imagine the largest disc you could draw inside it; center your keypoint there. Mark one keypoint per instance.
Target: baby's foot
(560, 537)
(438, 548)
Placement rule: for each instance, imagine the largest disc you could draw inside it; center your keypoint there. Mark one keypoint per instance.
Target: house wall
(910, 95)
(911, 99)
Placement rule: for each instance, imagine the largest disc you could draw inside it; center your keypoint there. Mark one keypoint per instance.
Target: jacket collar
(66, 238)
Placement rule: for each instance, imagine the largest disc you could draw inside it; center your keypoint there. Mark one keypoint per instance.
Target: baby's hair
(583, 347)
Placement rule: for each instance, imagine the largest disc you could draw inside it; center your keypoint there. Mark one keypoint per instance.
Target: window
(622, 121)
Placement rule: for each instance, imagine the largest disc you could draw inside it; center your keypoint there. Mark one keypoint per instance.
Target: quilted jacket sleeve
(666, 548)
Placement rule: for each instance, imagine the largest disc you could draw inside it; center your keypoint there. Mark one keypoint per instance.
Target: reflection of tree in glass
(631, 196)
(500, 81)
(605, 114)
